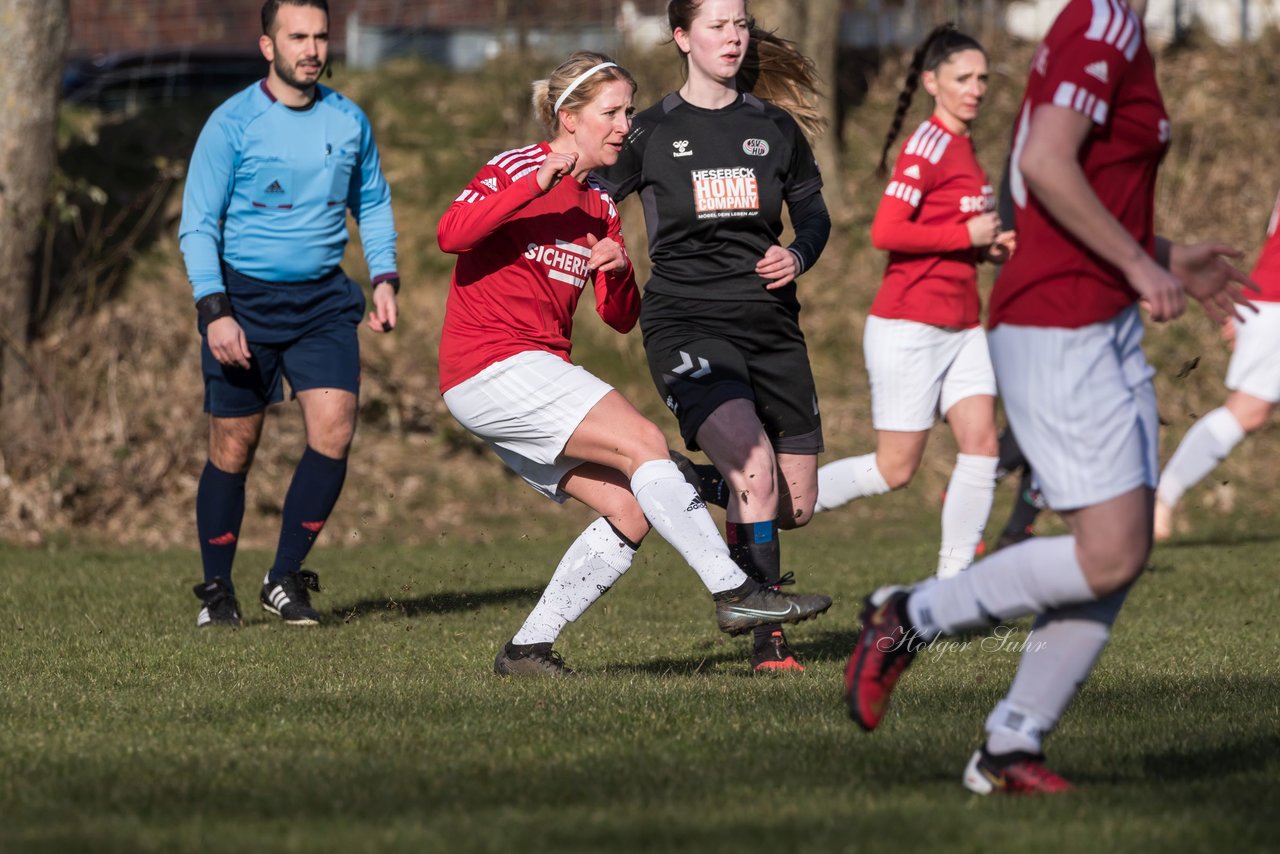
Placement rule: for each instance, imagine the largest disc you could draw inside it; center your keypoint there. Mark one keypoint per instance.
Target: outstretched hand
(1218, 285)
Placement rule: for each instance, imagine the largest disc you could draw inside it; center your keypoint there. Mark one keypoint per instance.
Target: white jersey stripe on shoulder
(516, 165)
(1065, 96)
(1118, 18)
(512, 153)
(1130, 48)
(1126, 34)
(1101, 18)
(914, 143)
(927, 141)
(517, 176)
(941, 148)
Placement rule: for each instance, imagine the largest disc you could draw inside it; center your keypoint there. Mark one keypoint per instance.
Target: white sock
(676, 512)
(965, 511)
(595, 561)
(1057, 657)
(1206, 444)
(848, 479)
(1030, 577)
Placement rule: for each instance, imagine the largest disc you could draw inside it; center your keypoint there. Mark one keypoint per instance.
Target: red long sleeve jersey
(937, 186)
(1267, 271)
(522, 265)
(1094, 60)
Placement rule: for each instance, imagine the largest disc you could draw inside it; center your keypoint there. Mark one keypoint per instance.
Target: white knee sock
(848, 479)
(1057, 657)
(1030, 577)
(595, 561)
(965, 511)
(677, 513)
(1206, 444)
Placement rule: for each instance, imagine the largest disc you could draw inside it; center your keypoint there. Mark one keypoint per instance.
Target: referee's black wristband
(393, 281)
(211, 307)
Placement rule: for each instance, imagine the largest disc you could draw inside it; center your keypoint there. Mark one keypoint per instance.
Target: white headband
(574, 85)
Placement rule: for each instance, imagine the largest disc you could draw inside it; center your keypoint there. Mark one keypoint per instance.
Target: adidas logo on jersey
(912, 171)
(491, 183)
(275, 187)
(1097, 70)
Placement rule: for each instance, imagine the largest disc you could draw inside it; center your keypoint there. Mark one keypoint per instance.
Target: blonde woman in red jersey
(925, 350)
(1065, 338)
(530, 231)
(1253, 377)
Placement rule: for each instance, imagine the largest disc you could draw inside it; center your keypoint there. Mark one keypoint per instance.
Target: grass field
(123, 728)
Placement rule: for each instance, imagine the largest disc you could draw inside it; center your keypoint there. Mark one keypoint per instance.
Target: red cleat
(1016, 773)
(772, 655)
(886, 647)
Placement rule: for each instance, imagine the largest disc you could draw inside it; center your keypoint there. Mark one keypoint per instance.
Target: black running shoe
(220, 605)
(753, 604)
(535, 659)
(290, 597)
(772, 655)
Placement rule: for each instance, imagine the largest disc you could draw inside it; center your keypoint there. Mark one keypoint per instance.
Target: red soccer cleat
(1018, 773)
(886, 646)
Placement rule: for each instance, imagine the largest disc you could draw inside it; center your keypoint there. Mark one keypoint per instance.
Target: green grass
(123, 728)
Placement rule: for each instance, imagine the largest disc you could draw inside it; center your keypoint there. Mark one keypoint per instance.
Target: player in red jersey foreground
(1066, 344)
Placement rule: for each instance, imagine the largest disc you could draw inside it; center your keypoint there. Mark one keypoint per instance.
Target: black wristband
(213, 306)
(394, 282)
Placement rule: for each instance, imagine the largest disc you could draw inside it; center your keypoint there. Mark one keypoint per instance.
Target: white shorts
(1255, 364)
(1082, 405)
(919, 371)
(526, 407)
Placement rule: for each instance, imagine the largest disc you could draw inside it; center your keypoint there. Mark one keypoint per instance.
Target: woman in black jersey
(713, 163)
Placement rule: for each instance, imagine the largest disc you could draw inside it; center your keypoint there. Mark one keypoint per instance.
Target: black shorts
(704, 353)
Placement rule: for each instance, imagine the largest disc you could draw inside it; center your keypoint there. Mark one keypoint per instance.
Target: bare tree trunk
(33, 37)
(814, 25)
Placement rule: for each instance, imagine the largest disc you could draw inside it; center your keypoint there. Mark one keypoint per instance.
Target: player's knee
(1110, 567)
(334, 439)
(798, 517)
(897, 473)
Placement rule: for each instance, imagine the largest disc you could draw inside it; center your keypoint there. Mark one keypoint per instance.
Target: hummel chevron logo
(792, 608)
(1097, 70)
(912, 171)
(491, 183)
(275, 187)
(686, 365)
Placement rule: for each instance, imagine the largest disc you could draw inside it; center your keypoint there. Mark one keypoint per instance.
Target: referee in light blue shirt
(264, 227)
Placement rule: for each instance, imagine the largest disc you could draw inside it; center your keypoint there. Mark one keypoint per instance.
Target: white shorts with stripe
(919, 371)
(1255, 363)
(526, 407)
(1082, 405)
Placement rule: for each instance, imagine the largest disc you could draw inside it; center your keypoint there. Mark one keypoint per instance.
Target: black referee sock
(1024, 514)
(219, 513)
(754, 548)
(317, 483)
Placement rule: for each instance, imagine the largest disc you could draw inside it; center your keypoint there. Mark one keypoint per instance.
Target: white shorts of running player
(919, 371)
(1082, 405)
(1255, 364)
(526, 407)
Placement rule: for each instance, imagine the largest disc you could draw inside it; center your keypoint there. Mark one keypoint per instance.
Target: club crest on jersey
(755, 147)
(565, 262)
(681, 147)
(729, 192)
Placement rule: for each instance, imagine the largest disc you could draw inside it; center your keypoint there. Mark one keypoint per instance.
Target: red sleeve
(895, 228)
(487, 202)
(617, 297)
(1085, 69)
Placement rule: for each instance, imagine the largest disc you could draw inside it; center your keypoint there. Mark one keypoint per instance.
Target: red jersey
(937, 186)
(1095, 61)
(522, 265)
(1267, 271)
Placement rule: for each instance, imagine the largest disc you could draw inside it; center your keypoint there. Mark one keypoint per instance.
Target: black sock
(219, 513)
(1023, 516)
(317, 482)
(754, 548)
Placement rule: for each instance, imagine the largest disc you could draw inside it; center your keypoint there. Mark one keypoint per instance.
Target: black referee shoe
(220, 605)
(290, 598)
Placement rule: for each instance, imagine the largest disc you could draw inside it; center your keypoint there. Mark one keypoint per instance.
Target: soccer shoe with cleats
(757, 605)
(220, 606)
(535, 659)
(773, 655)
(1016, 773)
(290, 598)
(886, 647)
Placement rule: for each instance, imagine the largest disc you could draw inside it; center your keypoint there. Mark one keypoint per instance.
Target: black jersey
(712, 183)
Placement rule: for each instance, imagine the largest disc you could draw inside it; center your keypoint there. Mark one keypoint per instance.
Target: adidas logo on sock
(275, 187)
(696, 504)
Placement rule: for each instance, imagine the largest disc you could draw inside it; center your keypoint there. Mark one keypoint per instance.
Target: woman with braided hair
(713, 163)
(925, 350)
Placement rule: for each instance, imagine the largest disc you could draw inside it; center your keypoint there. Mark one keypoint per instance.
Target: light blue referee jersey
(269, 188)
